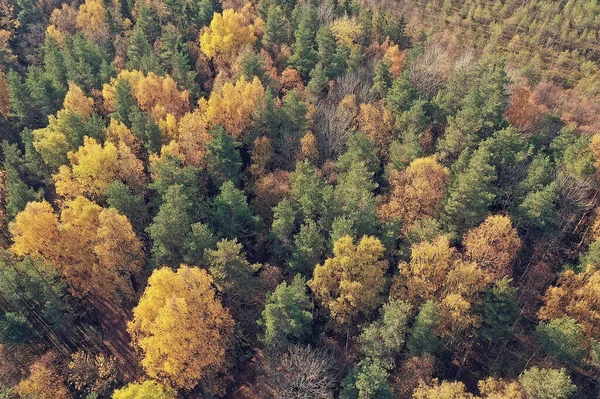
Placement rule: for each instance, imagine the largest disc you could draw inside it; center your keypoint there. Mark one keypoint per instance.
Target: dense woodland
(287, 199)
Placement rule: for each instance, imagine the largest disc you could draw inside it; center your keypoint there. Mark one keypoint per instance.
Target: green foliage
(500, 311)
(304, 55)
(287, 317)
(547, 383)
(308, 246)
(223, 158)
(383, 79)
(231, 215)
(422, 337)
(276, 28)
(367, 381)
(120, 197)
(198, 240)
(562, 338)
(170, 227)
(384, 339)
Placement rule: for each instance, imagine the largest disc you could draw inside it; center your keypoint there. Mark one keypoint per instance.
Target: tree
(352, 282)
(77, 102)
(304, 55)
(199, 239)
(562, 338)
(91, 20)
(232, 216)
(471, 192)
(546, 383)
(287, 317)
(44, 381)
(303, 373)
(494, 245)
(223, 158)
(492, 388)
(93, 375)
(417, 192)
(227, 33)
(368, 380)
(94, 248)
(180, 327)
(500, 310)
(170, 227)
(382, 81)
(443, 390)
(233, 107)
(4, 95)
(231, 272)
(308, 245)
(422, 337)
(148, 389)
(276, 28)
(383, 339)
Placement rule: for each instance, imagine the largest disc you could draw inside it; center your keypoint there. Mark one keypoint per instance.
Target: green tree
(500, 311)
(383, 79)
(368, 380)
(198, 240)
(287, 317)
(563, 338)
(422, 338)
(308, 246)
(384, 339)
(232, 217)
(170, 227)
(304, 55)
(276, 28)
(547, 383)
(223, 158)
(120, 197)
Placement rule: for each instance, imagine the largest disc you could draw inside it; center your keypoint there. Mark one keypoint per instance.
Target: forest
(299, 199)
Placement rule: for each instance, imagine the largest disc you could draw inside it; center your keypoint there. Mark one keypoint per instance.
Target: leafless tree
(333, 124)
(575, 197)
(303, 373)
(430, 71)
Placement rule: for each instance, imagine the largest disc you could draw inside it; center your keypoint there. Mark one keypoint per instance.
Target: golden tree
(494, 245)
(77, 102)
(353, 281)
(417, 192)
(227, 33)
(180, 327)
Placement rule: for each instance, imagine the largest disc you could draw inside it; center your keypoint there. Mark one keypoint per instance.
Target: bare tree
(575, 195)
(303, 373)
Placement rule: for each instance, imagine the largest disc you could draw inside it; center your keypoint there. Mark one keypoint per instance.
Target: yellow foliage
(227, 33)
(492, 388)
(445, 390)
(180, 327)
(376, 122)
(52, 145)
(346, 31)
(494, 245)
(193, 138)
(91, 20)
(117, 133)
(156, 94)
(396, 57)
(43, 382)
(34, 230)
(576, 295)
(234, 106)
(353, 281)
(262, 153)
(416, 192)
(309, 149)
(77, 102)
(94, 248)
(53, 32)
(168, 127)
(94, 167)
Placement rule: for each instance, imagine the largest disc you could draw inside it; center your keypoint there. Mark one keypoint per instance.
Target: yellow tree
(94, 248)
(227, 33)
(180, 327)
(576, 295)
(145, 390)
(77, 102)
(193, 138)
(309, 149)
(156, 94)
(44, 382)
(417, 192)
(443, 390)
(492, 388)
(376, 122)
(234, 106)
(94, 167)
(353, 281)
(91, 20)
(494, 245)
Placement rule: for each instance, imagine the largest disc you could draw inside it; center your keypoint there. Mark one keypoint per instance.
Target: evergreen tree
(223, 158)
(276, 28)
(232, 217)
(422, 337)
(500, 311)
(304, 55)
(308, 245)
